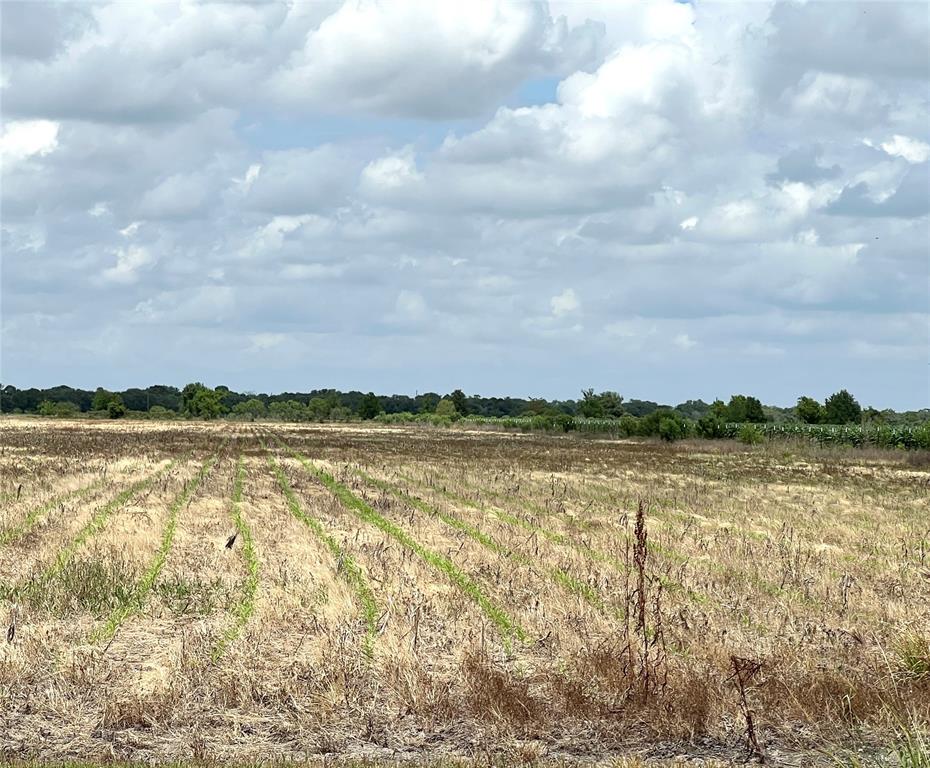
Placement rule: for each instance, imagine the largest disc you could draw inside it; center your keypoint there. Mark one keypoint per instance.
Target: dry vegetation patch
(220, 592)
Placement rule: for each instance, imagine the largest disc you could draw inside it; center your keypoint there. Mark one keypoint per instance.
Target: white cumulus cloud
(912, 150)
(21, 139)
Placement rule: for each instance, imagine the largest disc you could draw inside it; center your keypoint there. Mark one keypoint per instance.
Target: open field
(397, 593)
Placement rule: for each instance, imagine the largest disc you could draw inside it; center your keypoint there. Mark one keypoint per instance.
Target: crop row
(507, 626)
(246, 605)
(847, 434)
(98, 520)
(879, 435)
(562, 540)
(16, 532)
(346, 564)
(142, 589)
(558, 575)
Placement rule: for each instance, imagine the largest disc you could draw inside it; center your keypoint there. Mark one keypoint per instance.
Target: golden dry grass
(515, 618)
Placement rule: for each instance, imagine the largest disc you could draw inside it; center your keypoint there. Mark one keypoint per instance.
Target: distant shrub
(102, 398)
(404, 417)
(319, 407)
(250, 409)
(541, 422)
(288, 410)
(564, 422)
(628, 426)
(672, 429)
(341, 413)
(664, 423)
(712, 427)
(446, 409)
(749, 434)
(61, 409)
(742, 408)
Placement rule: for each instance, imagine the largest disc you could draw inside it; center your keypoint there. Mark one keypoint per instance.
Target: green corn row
(350, 570)
(10, 535)
(558, 575)
(99, 520)
(507, 626)
(246, 605)
(144, 587)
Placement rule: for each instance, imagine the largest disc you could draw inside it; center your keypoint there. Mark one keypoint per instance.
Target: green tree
(187, 397)
(607, 404)
(590, 406)
(252, 408)
(460, 402)
(61, 408)
(201, 402)
(115, 408)
(842, 408)
(736, 409)
(288, 410)
(319, 408)
(754, 412)
(205, 403)
(873, 416)
(713, 423)
(809, 410)
(446, 407)
(536, 406)
(564, 422)
(612, 404)
(370, 406)
(693, 409)
(228, 398)
(102, 398)
(160, 412)
(742, 408)
(340, 413)
(672, 428)
(427, 402)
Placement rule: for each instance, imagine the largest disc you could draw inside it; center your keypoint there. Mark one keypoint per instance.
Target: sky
(665, 199)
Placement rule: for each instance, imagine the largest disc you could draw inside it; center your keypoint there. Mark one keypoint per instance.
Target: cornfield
(880, 436)
(847, 434)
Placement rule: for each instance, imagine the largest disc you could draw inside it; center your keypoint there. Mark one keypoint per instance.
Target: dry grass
(667, 597)
(370, 763)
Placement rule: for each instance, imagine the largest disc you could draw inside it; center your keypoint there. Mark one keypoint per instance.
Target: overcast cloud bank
(666, 199)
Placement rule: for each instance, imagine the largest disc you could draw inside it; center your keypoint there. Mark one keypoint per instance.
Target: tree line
(197, 400)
